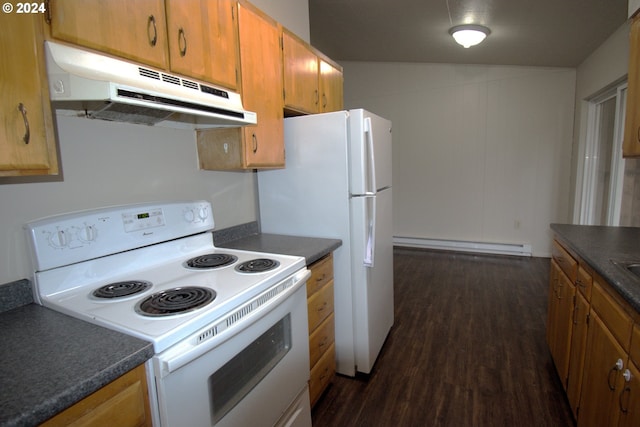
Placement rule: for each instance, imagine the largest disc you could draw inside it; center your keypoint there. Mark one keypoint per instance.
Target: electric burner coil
(175, 301)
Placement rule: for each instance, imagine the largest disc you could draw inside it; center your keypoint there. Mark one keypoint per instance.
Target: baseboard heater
(518, 249)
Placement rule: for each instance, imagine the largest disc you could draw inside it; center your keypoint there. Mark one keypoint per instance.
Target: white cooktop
(73, 256)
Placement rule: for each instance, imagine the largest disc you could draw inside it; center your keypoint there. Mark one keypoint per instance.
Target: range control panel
(79, 236)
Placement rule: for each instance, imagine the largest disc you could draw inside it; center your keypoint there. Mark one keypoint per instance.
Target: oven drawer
(322, 374)
(321, 339)
(320, 305)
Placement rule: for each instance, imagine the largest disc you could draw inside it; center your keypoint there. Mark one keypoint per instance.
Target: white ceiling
(523, 32)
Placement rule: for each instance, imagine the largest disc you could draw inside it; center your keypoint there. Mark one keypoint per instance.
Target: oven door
(252, 378)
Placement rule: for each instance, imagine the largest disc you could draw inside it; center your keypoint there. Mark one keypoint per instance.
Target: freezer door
(370, 152)
(372, 275)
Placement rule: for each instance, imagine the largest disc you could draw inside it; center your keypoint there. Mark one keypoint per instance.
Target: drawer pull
(151, 24)
(27, 131)
(624, 403)
(321, 278)
(617, 367)
(182, 42)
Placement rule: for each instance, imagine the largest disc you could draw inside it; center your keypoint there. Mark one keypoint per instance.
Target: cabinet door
(331, 88)
(130, 29)
(629, 398)
(631, 144)
(300, 75)
(602, 379)
(261, 88)
(203, 39)
(27, 143)
(578, 346)
(560, 317)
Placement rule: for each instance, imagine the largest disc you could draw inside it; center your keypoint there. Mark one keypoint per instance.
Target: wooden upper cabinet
(300, 65)
(262, 88)
(27, 140)
(260, 146)
(312, 84)
(631, 144)
(203, 39)
(330, 87)
(130, 29)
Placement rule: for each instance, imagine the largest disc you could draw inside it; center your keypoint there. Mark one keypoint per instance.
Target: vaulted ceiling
(523, 32)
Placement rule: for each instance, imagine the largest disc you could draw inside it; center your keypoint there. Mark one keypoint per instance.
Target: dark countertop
(51, 361)
(598, 245)
(312, 248)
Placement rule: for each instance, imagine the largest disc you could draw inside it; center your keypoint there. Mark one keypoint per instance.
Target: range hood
(103, 87)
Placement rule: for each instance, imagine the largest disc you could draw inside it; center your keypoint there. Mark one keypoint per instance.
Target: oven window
(229, 384)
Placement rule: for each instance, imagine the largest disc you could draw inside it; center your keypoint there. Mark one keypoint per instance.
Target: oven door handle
(188, 350)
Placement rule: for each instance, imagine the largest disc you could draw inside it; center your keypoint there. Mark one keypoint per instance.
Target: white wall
(606, 65)
(481, 153)
(109, 163)
(292, 14)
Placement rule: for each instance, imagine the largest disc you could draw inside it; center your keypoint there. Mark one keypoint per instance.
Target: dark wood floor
(467, 349)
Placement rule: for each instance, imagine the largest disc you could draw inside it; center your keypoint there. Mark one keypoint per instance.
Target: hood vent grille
(169, 78)
(145, 72)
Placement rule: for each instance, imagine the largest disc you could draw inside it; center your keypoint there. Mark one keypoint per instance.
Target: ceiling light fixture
(469, 35)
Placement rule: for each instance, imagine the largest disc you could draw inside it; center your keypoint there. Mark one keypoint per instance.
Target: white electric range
(152, 271)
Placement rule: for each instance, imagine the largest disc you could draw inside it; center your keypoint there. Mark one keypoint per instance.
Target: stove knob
(88, 233)
(203, 213)
(189, 215)
(59, 239)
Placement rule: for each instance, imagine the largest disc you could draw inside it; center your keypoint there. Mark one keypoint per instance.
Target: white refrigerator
(337, 184)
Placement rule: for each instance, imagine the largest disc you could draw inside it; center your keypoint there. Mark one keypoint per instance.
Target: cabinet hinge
(233, 13)
(282, 43)
(587, 322)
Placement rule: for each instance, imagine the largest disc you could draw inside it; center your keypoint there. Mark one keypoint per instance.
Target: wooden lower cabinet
(560, 318)
(123, 403)
(322, 361)
(578, 346)
(630, 397)
(600, 375)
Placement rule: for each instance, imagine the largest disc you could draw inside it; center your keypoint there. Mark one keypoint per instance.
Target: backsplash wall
(112, 163)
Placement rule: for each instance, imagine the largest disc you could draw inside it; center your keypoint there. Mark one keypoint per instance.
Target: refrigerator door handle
(370, 244)
(371, 169)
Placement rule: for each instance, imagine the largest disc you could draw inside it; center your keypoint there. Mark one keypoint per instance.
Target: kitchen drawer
(321, 273)
(321, 339)
(320, 305)
(565, 261)
(612, 314)
(634, 351)
(584, 282)
(322, 374)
